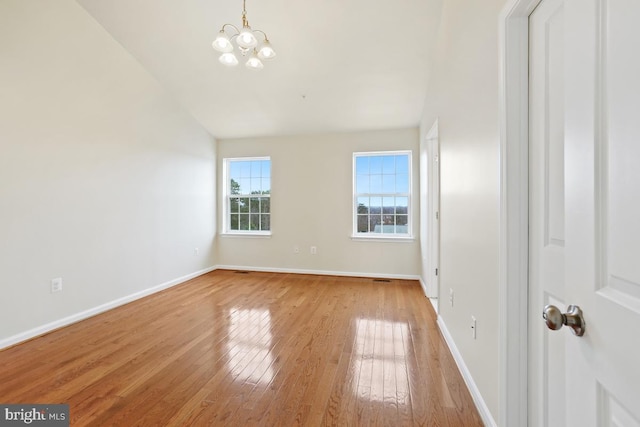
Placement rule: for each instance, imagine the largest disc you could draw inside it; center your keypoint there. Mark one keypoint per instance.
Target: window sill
(395, 239)
(247, 235)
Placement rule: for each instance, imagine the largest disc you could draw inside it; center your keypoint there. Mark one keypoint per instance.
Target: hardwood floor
(250, 349)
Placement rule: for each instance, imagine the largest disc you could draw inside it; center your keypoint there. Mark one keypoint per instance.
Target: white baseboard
(43, 329)
(423, 284)
(482, 407)
(318, 272)
(434, 303)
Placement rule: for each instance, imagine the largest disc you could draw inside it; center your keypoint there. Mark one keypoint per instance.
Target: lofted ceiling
(341, 65)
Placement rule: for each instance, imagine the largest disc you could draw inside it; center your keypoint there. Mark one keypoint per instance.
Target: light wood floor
(250, 349)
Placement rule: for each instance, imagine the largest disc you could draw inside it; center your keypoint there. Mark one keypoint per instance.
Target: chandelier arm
(232, 26)
(263, 34)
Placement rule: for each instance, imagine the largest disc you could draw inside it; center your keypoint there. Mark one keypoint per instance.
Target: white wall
(311, 205)
(463, 95)
(104, 180)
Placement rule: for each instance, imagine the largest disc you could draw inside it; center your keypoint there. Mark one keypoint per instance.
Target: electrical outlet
(473, 327)
(296, 249)
(196, 251)
(56, 284)
(451, 296)
(314, 250)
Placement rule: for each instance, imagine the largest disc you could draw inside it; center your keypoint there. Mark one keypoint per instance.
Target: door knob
(573, 318)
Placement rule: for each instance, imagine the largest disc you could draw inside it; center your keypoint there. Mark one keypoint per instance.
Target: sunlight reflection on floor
(249, 344)
(380, 361)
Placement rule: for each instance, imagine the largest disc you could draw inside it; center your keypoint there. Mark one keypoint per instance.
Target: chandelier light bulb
(228, 59)
(266, 51)
(246, 39)
(254, 63)
(222, 43)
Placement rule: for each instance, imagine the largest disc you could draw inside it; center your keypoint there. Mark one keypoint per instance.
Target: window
(382, 194)
(248, 195)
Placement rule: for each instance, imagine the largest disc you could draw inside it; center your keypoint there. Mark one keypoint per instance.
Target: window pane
(402, 204)
(266, 186)
(375, 206)
(265, 205)
(233, 222)
(375, 184)
(254, 206)
(254, 222)
(388, 205)
(388, 224)
(256, 167)
(388, 164)
(375, 164)
(265, 168)
(375, 224)
(244, 222)
(402, 183)
(235, 187)
(402, 164)
(234, 170)
(362, 184)
(256, 186)
(265, 222)
(362, 165)
(244, 205)
(245, 186)
(402, 222)
(363, 205)
(234, 205)
(245, 169)
(388, 184)
(363, 223)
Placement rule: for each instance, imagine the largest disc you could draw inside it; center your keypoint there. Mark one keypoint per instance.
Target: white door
(585, 211)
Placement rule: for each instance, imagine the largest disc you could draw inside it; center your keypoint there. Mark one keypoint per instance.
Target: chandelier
(245, 43)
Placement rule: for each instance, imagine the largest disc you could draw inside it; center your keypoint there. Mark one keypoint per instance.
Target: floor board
(261, 349)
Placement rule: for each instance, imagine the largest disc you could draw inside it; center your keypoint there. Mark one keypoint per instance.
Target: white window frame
(226, 221)
(382, 236)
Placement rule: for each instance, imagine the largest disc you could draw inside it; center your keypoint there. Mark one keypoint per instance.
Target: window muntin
(382, 194)
(248, 195)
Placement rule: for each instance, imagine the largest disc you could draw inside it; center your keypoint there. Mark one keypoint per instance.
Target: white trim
(482, 407)
(247, 234)
(434, 303)
(43, 329)
(318, 272)
(432, 199)
(514, 210)
(398, 238)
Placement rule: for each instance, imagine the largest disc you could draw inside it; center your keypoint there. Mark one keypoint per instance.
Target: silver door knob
(573, 318)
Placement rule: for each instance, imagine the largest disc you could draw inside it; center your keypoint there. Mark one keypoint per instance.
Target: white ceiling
(341, 65)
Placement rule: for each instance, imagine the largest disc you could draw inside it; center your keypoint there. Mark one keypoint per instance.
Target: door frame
(513, 302)
(432, 141)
